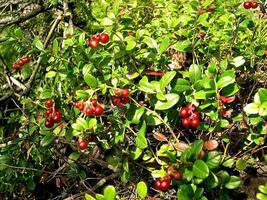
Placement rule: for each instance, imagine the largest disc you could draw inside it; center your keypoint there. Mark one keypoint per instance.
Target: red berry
(49, 122)
(83, 144)
(26, 60)
(16, 66)
(165, 184)
(93, 43)
(104, 38)
(49, 111)
(254, 5)
(190, 107)
(57, 117)
(184, 113)
(194, 115)
(186, 122)
(99, 110)
(125, 93)
(116, 101)
(195, 122)
(94, 102)
(157, 184)
(98, 37)
(80, 106)
(21, 62)
(247, 5)
(49, 103)
(89, 111)
(125, 100)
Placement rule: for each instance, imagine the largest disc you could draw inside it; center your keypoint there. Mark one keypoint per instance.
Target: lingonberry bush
(129, 99)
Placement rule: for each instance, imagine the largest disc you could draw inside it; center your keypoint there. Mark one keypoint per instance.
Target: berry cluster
(20, 63)
(94, 41)
(53, 114)
(190, 116)
(121, 97)
(93, 109)
(162, 184)
(249, 4)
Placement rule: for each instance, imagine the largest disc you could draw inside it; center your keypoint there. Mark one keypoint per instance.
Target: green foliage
(168, 54)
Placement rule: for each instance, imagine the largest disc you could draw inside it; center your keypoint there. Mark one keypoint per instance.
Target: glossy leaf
(141, 189)
(200, 169)
(171, 100)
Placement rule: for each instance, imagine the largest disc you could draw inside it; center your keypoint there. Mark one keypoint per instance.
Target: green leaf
(136, 153)
(77, 126)
(230, 90)
(74, 156)
(82, 39)
(46, 93)
(252, 108)
(227, 78)
(238, 61)
(130, 45)
(141, 141)
(233, 183)
(212, 181)
(38, 44)
(141, 189)
(204, 94)
(203, 19)
(261, 196)
(138, 114)
(50, 74)
(171, 100)
(100, 197)
(82, 122)
(89, 197)
(262, 95)
(192, 152)
(87, 68)
(182, 85)
(241, 164)
(116, 6)
(110, 193)
(48, 139)
(200, 169)
(161, 96)
(213, 159)
(195, 73)
(81, 94)
(4, 159)
(90, 80)
(92, 123)
(146, 86)
(151, 42)
(55, 47)
(185, 192)
(164, 45)
(263, 188)
(229, 162)
(263, 109)
(166, 79)
(223, 176)
(182, 45)
(107, 22)
(212, 68)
